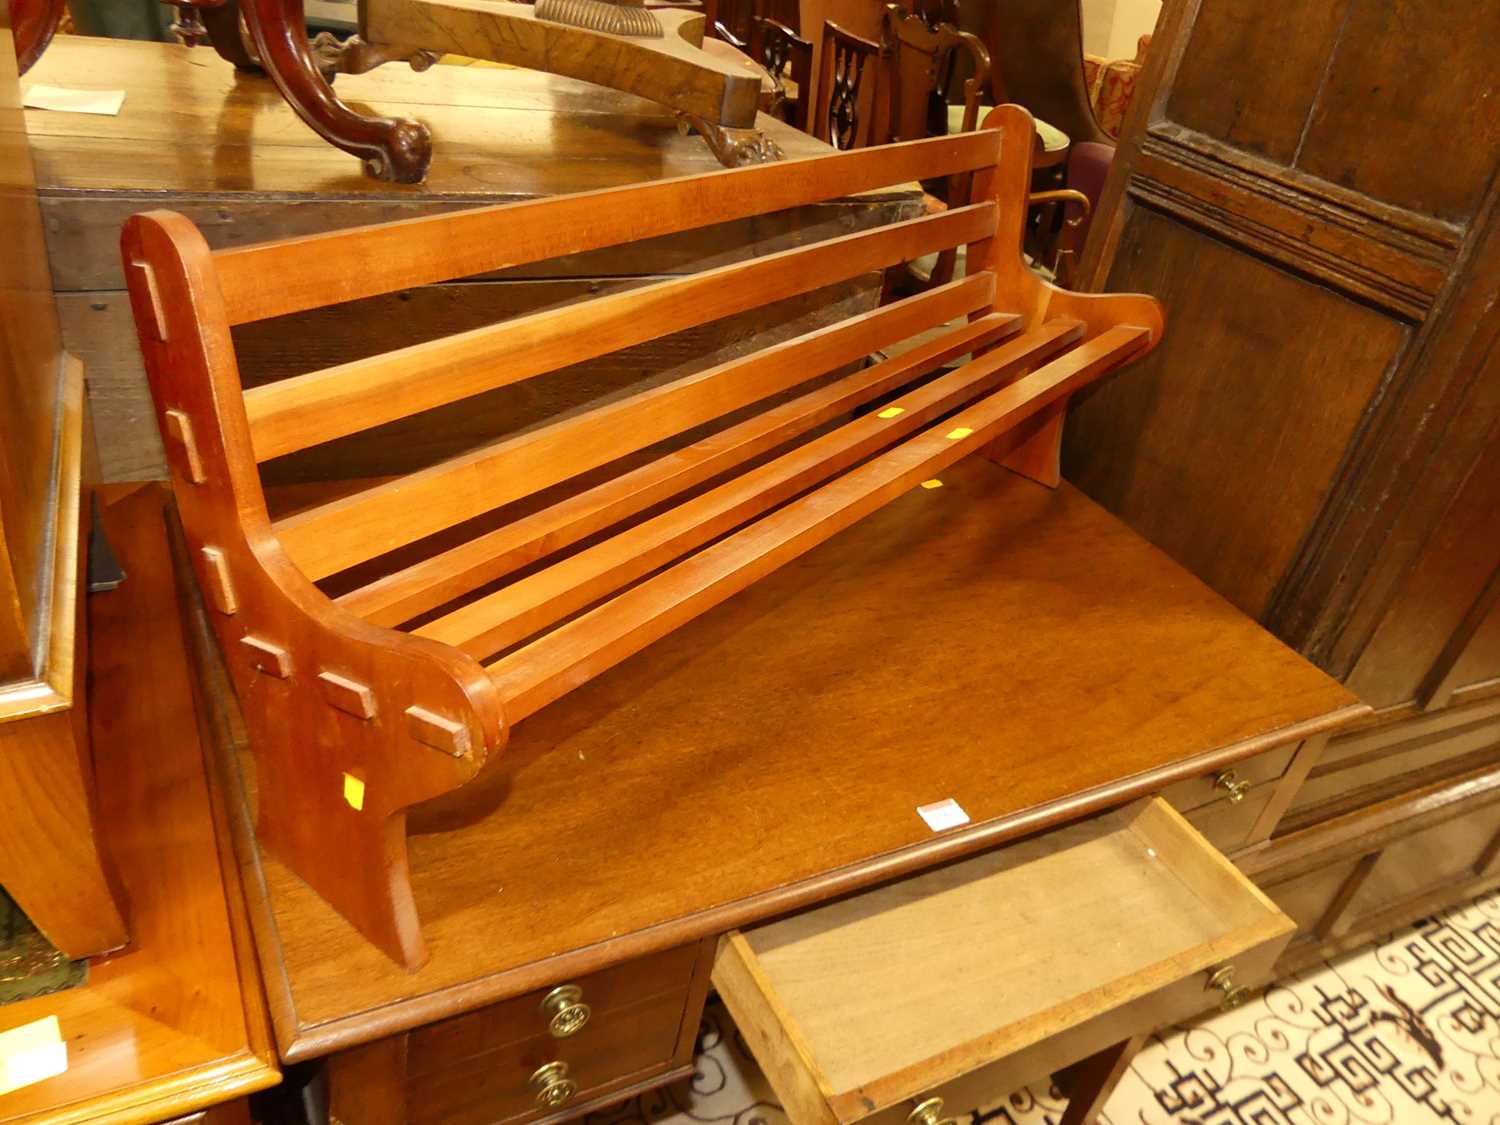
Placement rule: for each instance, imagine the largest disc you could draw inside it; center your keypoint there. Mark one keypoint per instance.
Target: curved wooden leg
(229, 36)
(32, 24)
(391, 148)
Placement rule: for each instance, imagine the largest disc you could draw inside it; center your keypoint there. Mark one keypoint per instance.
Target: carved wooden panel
(1312, 186)
(1251, 72)
(1425, 646)
(1205, 394)
(1409, 112)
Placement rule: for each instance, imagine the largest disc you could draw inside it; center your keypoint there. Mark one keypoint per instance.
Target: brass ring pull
(565, 1011)
(553, 1085)
(1222, 978)
(1230, 782)
(929, 1112)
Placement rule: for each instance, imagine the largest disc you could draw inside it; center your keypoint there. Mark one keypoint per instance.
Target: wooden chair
(787, 58)
(848, 74)
(1036, 51)
(399, 690)
(919, 62)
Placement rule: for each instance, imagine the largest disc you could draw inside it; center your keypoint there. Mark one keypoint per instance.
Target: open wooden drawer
(975, 978)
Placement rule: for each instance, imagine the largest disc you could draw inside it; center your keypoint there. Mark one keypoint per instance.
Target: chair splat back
(402, 687)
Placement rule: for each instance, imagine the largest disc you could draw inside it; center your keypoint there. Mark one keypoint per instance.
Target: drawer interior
(878, 997)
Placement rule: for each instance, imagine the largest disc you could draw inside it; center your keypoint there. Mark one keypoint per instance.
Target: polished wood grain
(174, 1022)
(189, 127)
(1247, 146)
(871, 1001)
(522, 135)
(425, 716)
(535, 675)
(276, 599)
(460, 245)
(403, 594)
(668, 720)
(544, 597)
(52, 859)
(313, 408)
(673, 69)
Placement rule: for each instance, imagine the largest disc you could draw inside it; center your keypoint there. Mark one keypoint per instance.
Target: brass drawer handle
(929, 1112)
(565, 1011)
(1230, 782)
(1222, 978)
(553, 1085)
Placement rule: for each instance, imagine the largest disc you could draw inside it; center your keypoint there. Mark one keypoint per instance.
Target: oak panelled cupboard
(1311, 188)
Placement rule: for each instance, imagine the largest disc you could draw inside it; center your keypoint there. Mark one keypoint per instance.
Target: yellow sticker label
(354, 792)
(30, 1053)
(961, 432)
(933, 483)
(891, 412)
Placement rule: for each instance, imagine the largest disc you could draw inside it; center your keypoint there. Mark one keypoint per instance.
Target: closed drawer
(1227, 824)
(1218, 788)
(632, 1043)
(996, 969)
(1366, 766)
(441, 1044)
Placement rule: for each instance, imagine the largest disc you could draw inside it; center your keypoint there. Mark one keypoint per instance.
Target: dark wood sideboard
(1311, 190)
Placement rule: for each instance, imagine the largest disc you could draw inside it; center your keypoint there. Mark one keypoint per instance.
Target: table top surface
(1011, 647)
(192, 123)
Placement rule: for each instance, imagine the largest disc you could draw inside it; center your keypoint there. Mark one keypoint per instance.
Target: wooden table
(224, 149)
(175, 1022)
(1035, 661)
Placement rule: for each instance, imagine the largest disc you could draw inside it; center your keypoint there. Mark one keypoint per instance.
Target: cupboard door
(1310, 438)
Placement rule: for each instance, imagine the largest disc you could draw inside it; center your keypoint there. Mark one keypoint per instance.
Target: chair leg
(391, 148)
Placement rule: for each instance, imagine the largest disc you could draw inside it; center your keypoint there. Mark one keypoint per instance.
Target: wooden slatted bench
(362, 705)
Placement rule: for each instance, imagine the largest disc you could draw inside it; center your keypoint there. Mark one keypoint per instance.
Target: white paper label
(30, 1053)
(944, 814)
(106, 103)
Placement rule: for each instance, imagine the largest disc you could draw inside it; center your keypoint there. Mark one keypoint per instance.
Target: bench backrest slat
(324, 269)
(348, 531)
(305, 410)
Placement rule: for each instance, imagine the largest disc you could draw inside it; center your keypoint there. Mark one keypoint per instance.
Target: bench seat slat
(450, 574)
(304, 410)
(353, 529)
(534, 675)
(540, 600)
(345, 265)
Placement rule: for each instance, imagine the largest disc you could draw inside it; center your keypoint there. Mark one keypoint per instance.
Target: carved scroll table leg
(229, 35)
(391, 148)
(32, 25)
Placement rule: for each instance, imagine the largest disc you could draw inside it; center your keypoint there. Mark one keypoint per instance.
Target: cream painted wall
(1098, 24)
(1132, 19)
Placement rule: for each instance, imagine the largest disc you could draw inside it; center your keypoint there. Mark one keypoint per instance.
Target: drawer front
(1030, 956)
(609, 990)
(1227, 824)
(628, 1044)
(1261, 770)
(1370, 765)
(1174, 1004)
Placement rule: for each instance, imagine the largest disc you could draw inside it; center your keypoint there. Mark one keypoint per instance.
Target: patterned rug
(1405, 1031)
